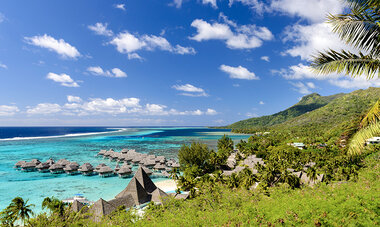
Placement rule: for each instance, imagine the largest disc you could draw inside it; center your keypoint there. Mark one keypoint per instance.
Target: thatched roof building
(100, 209)
(158, 196)
(86, 169)
(50, 161)
(71, 168)
(145, 180)
(77, 206)
(136, 190)
(126, 201)
(105, 171)
(28, 166)
(43, 167)
(56, 168)
(102, 152)
(97, 168)
(63, 162)
(19, 164)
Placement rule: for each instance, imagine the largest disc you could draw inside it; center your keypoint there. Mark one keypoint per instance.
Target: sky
(161, 62)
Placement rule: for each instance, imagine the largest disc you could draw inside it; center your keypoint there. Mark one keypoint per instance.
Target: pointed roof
(158, 195)
(76, 206)
(145, 180)
(137, 191)
(126, 201)
(101, 208)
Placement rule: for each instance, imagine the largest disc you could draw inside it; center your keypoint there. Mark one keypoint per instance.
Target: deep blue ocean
(81, 144)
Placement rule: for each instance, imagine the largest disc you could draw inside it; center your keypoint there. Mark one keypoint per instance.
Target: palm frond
(346, 62)
(372, 116)
(357, 143)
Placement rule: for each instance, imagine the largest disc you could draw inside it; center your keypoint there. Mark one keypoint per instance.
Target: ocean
(81, 144)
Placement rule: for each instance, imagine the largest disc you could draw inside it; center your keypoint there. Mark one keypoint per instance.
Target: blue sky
(161, 62)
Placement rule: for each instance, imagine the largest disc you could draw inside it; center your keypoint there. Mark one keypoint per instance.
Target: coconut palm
(360, 29)
(18, 209)
(54, 205)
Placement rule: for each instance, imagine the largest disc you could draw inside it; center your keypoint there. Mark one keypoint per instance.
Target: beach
(167, 185)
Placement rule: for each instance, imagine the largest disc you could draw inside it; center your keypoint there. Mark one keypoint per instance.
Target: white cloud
(2, 17)
(120, 6)
(238, 72)
(115, 72)
(265, 58)
(235, 36)
(303, 88)
(255, 5)
(190, 90)
(63, 79)
(59, 46)
(128, 43)
(4, 66)
(71, 98)
(100, 29)
(211, 112)
(44, 108)
(261, 103)
(355, 83)
(177, 3)
(8, 110)
(134, 56)
(308, 39)
(251, 115)
(312, 10)
(211, 2)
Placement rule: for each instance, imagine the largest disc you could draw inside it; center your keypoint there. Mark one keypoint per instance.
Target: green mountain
(308, 103)
(316, 115)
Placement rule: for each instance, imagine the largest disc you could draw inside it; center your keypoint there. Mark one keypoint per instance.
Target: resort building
(86, 169)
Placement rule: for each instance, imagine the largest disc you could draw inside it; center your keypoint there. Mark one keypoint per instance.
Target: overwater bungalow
(71, 169)
(50, 161)
(175, 165)
(86, 169)
(101, 152)
(43, 167)
(19, 164)
(35, 161)
(124, 172)
(56, 168)
(113, 156)
(97, 168)
(105, 171)
(149, 163)
(63, 162)
(117, 167)
(159, 167)
(136, 160)
(28, 166)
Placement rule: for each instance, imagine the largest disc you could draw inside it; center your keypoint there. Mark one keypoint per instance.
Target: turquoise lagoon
(82, 148)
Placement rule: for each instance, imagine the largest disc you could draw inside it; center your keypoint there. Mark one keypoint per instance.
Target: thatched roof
(152, 156)
(76, 206)
(136, 159)
(127, 157)
(71, 167)
(165, 174)
(43, 165)
(105, 169)
(147, 171)
(158, 195)
(63, 162)
(56, 166)
(125, 165)
(99, 166)
(86, 167)
(182, 196)
(126, 201)
(35, 161)
(101, 208)
(20, 163)
(137, 191)
(175, 165)
(28, 165)
(149, 162)
(124, 170)
(159, 166)
(145, 180)
(50, 161)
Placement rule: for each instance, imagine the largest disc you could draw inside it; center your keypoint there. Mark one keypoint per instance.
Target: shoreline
(166, 185)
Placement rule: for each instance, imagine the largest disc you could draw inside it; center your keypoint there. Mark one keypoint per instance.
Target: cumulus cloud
(8, 110)
(312, 10)
(71, 98)
(100, 29)
(4, 66)
(115, 72)
(63, 79)
(128, 43)
(99, 106)
(120, 6)
(59, 46)
(238, 72)
(44, 108)
(190, 90)
(265, 58)
(261, 103)
(303, 88)
(211, 2)
(235, 36)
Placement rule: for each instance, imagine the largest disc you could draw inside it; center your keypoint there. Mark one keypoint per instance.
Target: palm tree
(19, 209)
(55, 205)
(361, 29)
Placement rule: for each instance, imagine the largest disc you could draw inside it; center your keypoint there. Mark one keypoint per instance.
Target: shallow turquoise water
(36, 186)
